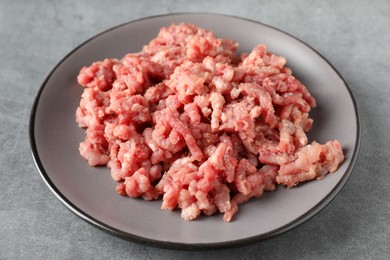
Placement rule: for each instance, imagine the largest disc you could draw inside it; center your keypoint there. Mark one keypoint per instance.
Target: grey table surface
(353, 35)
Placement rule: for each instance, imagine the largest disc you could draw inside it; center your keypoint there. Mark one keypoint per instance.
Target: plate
(89, 192)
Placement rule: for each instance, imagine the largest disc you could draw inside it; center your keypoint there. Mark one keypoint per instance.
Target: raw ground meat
(190, 121)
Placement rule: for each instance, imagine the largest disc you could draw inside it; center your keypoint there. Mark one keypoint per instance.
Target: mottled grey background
(353, 35)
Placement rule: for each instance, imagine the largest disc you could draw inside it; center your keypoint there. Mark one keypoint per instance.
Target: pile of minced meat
(190, 121)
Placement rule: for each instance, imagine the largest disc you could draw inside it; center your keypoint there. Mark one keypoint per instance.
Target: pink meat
(92, 107)
(127, 108)
(183, 131)
(236, 118)
(99, 75)
(217, 102)
(188, 80)
(95, 147)
(313, 161)
(190, 121)
(139, 185)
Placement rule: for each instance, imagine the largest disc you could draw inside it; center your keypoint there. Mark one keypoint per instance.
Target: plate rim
(190, 246)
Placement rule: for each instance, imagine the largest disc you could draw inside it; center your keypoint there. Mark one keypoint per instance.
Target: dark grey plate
(90, 192)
